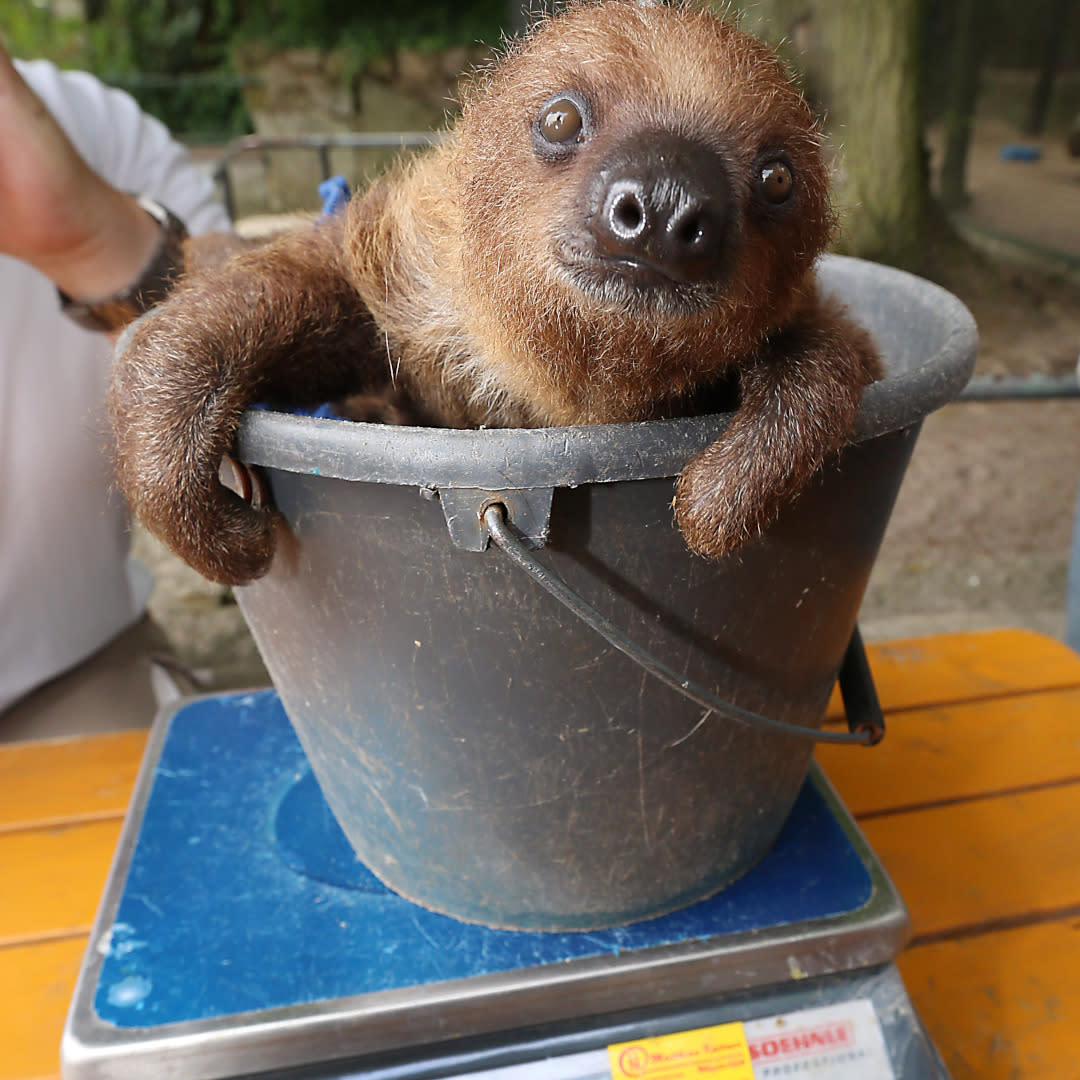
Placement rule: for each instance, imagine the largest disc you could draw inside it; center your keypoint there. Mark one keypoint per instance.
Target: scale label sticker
(720, 1052)
(835, 1042)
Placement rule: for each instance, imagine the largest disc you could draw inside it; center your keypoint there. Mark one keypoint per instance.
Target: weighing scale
(239, 936)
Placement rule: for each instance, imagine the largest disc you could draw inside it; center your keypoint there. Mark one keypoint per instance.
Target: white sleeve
(130, 149)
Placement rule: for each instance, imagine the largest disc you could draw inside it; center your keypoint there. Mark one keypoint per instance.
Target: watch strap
(153, 284)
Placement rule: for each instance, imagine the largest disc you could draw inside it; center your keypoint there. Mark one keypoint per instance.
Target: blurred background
(954, 128)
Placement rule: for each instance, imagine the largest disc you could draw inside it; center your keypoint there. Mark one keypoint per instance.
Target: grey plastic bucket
(489, 756)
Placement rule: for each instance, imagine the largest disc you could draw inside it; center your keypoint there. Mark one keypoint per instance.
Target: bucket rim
(547, 457)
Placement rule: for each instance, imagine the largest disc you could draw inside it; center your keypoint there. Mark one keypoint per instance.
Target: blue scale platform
(243, 895)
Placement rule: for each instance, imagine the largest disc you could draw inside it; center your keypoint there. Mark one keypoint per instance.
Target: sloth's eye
(561, 121)
(775, 181)
(563, 124)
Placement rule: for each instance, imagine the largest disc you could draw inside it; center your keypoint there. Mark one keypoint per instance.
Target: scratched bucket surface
(491, 757)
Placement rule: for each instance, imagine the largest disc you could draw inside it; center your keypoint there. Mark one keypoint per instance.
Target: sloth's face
(654, 160)
(657, 217)
(642, 195)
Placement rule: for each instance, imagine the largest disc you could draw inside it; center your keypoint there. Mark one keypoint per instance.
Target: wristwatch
(152, 285)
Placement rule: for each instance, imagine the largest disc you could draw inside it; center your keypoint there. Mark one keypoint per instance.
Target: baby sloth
(627, 213)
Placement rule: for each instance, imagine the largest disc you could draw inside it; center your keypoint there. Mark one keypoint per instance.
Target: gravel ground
(981, 531)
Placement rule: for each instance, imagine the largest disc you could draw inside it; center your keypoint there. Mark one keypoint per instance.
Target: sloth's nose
(661, 202)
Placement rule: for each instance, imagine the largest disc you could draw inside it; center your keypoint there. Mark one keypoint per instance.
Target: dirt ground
(981, 532)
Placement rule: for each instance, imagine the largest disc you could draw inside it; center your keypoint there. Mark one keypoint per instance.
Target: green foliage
(171, 55)
(30, 30)
(370, 31)
(174, 56)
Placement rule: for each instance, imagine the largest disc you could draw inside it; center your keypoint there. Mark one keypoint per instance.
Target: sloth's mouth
(639, 271)
(625, 281)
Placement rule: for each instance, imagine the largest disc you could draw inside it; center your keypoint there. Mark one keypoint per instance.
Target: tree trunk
(1056, 31)
(860, 62)
(521, 14)
(968, 41)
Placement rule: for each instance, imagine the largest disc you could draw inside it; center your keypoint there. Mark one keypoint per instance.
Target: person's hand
(56, 213)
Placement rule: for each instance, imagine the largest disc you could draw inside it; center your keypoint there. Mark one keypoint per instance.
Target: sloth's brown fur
(453, 280)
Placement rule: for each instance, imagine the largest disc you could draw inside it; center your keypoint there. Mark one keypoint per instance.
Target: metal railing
(1020, 387)
(320, 145)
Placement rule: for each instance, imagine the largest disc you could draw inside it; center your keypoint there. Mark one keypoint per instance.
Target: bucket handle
(866, 723)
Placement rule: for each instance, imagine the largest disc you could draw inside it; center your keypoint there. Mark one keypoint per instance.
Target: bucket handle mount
(866, 722)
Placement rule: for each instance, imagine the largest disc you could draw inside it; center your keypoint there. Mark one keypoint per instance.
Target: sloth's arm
(280, 323)
(798, 406)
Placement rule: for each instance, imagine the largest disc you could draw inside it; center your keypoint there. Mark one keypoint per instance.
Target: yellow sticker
(719, 1052)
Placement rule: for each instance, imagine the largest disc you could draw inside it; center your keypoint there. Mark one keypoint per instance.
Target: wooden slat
(36, 983)
(987, 861)
(68, 780)
(1002, 1007)
(999, 1004)
(959, 667)
(961, 751)
(52, 880)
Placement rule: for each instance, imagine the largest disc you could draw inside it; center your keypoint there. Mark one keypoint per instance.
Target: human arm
(68, 195)
(90, 239)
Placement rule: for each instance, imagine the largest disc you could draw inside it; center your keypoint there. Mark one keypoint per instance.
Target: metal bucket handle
(866, 723)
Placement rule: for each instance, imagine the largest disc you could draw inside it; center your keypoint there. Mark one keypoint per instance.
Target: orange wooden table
(972, 802)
